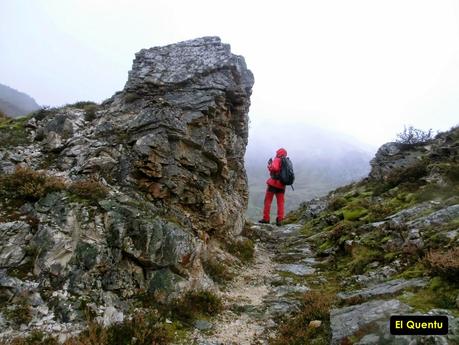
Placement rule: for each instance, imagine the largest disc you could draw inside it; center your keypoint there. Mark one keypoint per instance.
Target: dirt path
(255, 298)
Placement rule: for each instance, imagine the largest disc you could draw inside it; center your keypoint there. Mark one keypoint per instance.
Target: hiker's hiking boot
(278, 222)
(263, 221)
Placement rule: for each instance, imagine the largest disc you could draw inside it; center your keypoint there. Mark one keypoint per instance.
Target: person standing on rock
(275, 187)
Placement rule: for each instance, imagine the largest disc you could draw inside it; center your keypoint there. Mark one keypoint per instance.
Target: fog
(322, 160)
(361, 68)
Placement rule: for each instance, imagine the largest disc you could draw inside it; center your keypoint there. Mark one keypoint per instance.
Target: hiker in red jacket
(275, 187)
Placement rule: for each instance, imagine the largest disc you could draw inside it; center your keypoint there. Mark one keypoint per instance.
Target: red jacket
(274, 169)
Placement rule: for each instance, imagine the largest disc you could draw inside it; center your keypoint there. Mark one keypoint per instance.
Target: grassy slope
(341, 234)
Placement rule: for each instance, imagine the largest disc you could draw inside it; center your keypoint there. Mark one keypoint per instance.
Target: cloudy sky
(364, 68)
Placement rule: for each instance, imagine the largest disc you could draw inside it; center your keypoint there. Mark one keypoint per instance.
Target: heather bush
(28, 185)
(444, 263)
(295, 331)
(90, 189)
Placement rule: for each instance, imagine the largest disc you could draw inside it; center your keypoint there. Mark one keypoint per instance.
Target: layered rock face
(190, 130)
(160, 171)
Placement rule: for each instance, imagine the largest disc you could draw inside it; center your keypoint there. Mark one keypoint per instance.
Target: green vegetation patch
(90, 109)
(354, 214)
(217, 270)
(13, 131)
(243, 249)
(193, 305)
(26, 184)
(296, 331)
(20, 313)
(89, 189)
(440, 293)
(34, 338)
(362, 256)
(444, 263)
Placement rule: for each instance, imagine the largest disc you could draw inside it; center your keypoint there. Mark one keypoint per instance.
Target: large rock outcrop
(146, 179)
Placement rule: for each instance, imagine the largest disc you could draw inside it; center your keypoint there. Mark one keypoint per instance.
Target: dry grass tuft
(315, 306)
(90, 189)
(29, 185)
(444, 263)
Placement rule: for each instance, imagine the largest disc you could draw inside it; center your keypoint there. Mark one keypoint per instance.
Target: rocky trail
(270, 291)
(261, 294)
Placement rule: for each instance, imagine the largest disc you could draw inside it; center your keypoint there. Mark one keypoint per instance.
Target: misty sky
(364, 68)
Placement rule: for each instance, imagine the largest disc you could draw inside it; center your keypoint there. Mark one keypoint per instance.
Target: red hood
(281, 153)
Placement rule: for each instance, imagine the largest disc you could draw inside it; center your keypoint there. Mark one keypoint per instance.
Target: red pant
(270, 191)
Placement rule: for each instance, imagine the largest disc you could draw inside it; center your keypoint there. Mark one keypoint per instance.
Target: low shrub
(89, 189)
(217, 270)
(362, 256)
(336, 203)
(444, 263)
(339, 230)
(13, 131)
(413, 136)
(379, 212)
(21, 313)
(83, 105)
(451, 171)
(142, 329)
(34, 338)
(295, 331)
(354, 214)
(90, 112)
(195, 304)
(43, 112)
(29, 185)
(243, 249)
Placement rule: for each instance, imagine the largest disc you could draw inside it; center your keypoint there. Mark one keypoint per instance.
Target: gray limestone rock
(297, 269)
(392, 156)
(438, 217)
(348, 320)
(386, 288)
(14, 237)
(203, 325)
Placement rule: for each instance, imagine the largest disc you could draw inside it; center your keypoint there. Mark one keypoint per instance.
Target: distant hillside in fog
(323, 160)
(15, 103)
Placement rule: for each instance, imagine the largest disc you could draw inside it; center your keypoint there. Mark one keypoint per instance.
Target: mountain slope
(388, 244)
(14, 103)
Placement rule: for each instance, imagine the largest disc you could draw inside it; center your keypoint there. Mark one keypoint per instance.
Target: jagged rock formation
(14, 103)
(140, 184)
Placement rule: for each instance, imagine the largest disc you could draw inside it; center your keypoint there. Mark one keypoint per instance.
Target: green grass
(438, 294)
(13, 132)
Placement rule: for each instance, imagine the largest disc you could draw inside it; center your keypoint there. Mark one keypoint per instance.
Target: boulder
(14, 237)
(346, 321)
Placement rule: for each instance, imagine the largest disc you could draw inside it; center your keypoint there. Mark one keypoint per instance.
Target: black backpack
(286, 175)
